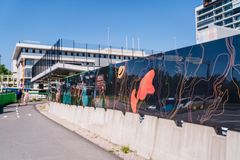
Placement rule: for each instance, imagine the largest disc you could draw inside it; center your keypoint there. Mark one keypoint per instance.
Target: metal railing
(74, 50)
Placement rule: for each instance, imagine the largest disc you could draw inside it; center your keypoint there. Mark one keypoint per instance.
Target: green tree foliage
(4, 70)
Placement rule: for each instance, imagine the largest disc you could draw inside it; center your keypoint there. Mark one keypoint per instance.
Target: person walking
(26, 97)
(19, 97)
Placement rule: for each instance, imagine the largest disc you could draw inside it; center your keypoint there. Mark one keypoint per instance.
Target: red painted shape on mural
(146, 87)
(134, 101)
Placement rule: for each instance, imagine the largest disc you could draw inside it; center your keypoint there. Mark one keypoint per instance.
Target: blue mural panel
(197, 84)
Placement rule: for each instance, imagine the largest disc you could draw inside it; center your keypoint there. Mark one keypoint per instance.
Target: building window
(227, 14)
(237, 25)
(226, 1)
(29, 62)
(219, 23)
(30, 50)
(44, 51)
(218, 4)
(230, 26)
(205, 16)
(218, 11)
(28, 72)
(228, 7)
(206, 9)
(218, 18)
(237, 18)
(77, 54)
(227, 21)
(205, 22)
(23, 50)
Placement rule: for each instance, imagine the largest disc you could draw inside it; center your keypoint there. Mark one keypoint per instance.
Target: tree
(4, 70)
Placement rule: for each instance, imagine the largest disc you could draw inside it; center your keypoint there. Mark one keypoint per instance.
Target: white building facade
(8, 81)
(75, 59)
(224, 13)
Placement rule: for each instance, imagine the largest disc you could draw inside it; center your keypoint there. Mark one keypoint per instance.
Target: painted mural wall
(197, 84)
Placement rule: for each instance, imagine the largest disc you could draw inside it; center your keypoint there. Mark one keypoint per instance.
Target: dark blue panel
(197, 84)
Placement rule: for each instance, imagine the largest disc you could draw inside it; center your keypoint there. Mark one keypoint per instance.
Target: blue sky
(154, 22)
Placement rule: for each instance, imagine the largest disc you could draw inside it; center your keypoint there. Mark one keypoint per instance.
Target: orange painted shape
(134, 101)
(146, 87)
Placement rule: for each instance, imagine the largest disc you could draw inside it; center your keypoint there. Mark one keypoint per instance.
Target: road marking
(18, 116)
(29, 114)
(5, 116)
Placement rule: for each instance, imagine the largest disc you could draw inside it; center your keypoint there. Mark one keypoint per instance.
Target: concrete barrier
(107, 128)
(168, 140)
(145, 136)
(218, 148)
(153, 138)
(196, 142)
(129, 130)
(97, 121)
(116, 127)
(79, 113)
(233, 146)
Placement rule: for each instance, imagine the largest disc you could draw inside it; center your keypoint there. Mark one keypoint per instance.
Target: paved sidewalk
(25, 134)
(110, 147)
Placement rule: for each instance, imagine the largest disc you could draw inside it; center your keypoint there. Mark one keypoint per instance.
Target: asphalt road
(25, 134)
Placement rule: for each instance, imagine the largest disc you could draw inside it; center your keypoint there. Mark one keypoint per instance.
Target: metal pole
(87, 57)
(99, 56)
(108, 36)
(122, 53)
(111, 54)
(74, 51)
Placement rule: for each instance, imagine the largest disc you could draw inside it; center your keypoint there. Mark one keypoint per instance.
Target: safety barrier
(154, 138)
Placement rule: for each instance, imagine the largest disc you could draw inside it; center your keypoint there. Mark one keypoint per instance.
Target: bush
(125, 149)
